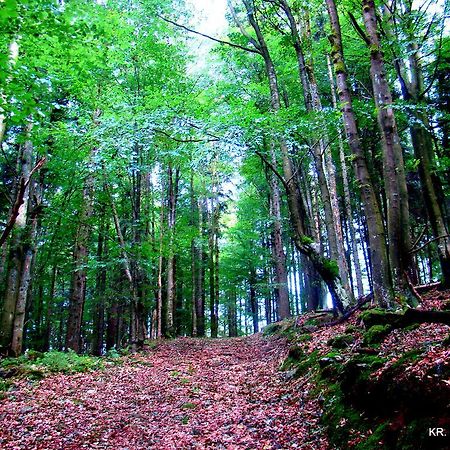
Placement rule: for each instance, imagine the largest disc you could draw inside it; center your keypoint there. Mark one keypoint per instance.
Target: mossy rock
(305, 337)
(298, 361)
(376, 316)
(351, 329)
(341, 341)
(376, 334)
(271, 329)
(446, 341)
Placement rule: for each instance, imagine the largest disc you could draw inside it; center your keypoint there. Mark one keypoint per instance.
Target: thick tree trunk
(413, 90)
(382, 285)
(393, 165)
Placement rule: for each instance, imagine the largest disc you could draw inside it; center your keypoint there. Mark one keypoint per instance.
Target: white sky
(208, 18)
(211, 16)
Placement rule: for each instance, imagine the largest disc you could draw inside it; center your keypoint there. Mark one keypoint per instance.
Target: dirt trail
(185, 394)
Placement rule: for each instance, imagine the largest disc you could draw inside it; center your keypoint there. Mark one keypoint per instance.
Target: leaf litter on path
(185, 394)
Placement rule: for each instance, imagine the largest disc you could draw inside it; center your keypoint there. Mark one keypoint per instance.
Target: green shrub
(69, 362)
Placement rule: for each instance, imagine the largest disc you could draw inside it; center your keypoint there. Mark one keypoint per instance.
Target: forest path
(185, 394)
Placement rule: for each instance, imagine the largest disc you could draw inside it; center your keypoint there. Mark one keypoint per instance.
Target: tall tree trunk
(278, 253)
(17, 253)
(232, 314)
(393, 166)
(173, 179)
(254, 300)
(413, 91)
(99, 307)
(80, 257)
(212, 268)
(327, 181)
(345, 183)
(27, 263)
(327, 269)
(382, 288)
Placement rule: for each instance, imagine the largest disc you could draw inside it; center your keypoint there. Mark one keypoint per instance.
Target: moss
(304, 337)
(351, 329)
(306, 240)
(188, 405)
(412, 327)
(375, 439)
(339, 67)
(446, 341)
(299, 361)
(374, 49)
(376, 316)
(331, 268)
(271, 329)
(410, 356)
(376, 334)
(341, 341)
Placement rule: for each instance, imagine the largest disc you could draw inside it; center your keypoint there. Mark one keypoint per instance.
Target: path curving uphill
(185, 394)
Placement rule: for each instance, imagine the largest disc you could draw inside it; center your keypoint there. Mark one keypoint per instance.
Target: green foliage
(68, 362)
(36, 364)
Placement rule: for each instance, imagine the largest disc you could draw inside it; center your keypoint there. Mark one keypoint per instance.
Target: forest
(276, 178)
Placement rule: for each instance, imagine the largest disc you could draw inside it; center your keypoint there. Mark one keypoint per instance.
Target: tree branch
(415, 250)
(185, 140)
(274, 170)
(23, 184)
(220, 41)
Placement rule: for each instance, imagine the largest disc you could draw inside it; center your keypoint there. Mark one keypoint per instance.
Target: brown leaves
(187, 393)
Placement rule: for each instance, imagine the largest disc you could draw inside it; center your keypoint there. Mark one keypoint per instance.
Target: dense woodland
(303, 164)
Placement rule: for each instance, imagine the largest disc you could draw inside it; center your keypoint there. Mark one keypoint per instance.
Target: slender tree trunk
(278, 253)
(200, 276)
(212, 267)
(232, 314)
(99, 307)
(27, 265)
(254, 300)
(18, 255)
(171, 282)
(80, 256)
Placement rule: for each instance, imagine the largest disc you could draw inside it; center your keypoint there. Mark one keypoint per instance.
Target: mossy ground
(379, 385)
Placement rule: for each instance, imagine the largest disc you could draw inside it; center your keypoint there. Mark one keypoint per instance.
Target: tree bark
(80, 258)
(324, 266)
(393, 166)
(17, 254)
(382, 285)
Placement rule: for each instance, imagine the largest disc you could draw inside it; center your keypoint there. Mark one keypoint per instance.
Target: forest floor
(350, 385)
(183, 394)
